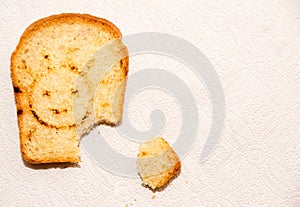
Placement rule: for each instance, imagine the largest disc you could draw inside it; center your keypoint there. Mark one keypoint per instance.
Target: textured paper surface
(254, 47)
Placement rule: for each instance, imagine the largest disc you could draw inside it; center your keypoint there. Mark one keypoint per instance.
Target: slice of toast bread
(157, 163)
(51, 55)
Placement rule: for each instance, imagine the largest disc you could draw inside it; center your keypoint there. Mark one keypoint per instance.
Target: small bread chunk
(157, 163)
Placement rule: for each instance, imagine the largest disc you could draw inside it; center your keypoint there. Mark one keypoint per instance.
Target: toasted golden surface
(157, 163)
(50, 58)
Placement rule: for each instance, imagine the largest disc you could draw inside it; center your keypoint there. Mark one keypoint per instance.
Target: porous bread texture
(50, 57)
(157, 163)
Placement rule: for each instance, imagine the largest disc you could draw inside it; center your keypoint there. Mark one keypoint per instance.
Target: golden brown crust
(157, 163)
(163, 179)
(63, 18)
(170, 175)
(21, 96)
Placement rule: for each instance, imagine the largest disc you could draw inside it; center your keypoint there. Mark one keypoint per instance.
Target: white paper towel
(254, 47)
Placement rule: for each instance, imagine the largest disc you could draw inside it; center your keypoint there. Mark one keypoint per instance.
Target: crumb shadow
(162, 188)
(46, 166)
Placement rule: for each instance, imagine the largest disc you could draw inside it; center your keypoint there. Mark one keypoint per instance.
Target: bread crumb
(157, 163)
(153, 196)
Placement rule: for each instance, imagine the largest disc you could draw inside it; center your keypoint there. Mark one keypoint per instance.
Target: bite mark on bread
(55, 44)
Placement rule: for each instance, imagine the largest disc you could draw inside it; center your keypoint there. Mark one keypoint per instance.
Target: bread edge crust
(29, 31)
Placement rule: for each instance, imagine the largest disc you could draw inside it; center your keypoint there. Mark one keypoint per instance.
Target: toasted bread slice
(53, 53)
(157, 163)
